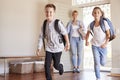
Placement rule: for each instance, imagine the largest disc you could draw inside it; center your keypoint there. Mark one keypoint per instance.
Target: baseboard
(115, 70)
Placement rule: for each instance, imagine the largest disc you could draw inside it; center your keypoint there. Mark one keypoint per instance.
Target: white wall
(20, 22)
(115, 16)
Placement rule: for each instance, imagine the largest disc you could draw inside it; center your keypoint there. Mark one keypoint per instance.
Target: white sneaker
(97, 79)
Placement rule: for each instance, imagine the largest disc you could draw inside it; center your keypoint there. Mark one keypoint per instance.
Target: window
(88, 3)
(76, 2)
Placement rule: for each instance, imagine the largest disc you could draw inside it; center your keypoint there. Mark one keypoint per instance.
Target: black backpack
(56, 28)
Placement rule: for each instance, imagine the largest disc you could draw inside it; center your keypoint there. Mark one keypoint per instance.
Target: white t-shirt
(75, 32)
(52, 37)
(99, 36)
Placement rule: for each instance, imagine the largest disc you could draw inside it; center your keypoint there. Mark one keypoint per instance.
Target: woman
(75, 30)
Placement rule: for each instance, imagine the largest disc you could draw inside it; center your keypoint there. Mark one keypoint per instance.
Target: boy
(53, 45)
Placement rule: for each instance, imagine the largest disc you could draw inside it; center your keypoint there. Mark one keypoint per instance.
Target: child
(99, 41)
(53, 46)
(76, 40)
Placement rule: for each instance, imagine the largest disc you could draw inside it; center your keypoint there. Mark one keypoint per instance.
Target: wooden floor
(83, 75)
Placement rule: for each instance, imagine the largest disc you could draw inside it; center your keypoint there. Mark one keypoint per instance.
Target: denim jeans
(56, 63)
(99, 55)
(76, 49)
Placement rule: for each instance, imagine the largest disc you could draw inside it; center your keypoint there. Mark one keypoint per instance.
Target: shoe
(61, 69)
(74, 70)
(97, 79)
(78, 70)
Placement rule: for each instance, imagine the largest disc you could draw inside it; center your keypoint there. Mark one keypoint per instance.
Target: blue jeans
(76, 49)
(99, 55)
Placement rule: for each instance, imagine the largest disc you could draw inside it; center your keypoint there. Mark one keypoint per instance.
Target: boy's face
(49, 13)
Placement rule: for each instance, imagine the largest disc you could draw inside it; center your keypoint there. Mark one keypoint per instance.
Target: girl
(99, 41)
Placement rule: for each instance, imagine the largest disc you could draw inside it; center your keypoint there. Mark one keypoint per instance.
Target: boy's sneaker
(61, 69)
(78, 70)
(74, 70)
(97, 79)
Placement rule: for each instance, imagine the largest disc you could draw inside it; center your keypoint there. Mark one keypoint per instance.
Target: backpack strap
(102, 24)
(112, 31)
(110, 24)
(44, 29)
(56, 26)
(91, 27)
(58, 30)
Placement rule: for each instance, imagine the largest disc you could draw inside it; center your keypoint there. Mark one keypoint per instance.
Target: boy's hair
(51, 6)
(99, 9)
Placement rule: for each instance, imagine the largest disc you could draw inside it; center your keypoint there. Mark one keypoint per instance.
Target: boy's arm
(67, 45)
(38, 52)
(40, 43)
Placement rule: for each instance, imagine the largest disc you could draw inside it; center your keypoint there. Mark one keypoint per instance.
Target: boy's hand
(38, 52)
(67, 47)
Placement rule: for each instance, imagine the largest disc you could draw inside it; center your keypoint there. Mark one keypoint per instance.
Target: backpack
(102, 25)
(56, 28)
